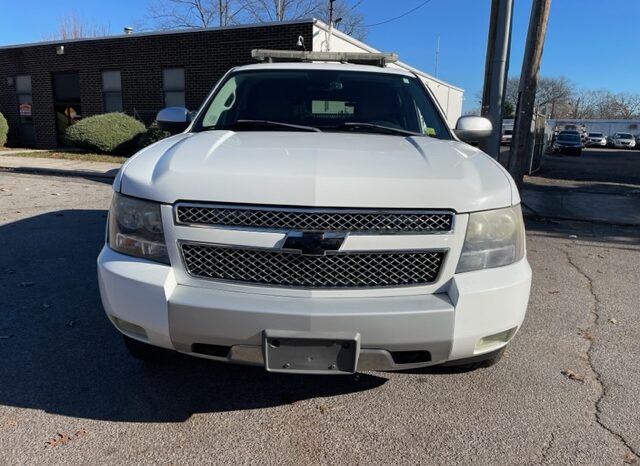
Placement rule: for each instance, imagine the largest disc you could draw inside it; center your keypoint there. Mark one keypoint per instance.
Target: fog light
(128, 327)
(494, 341)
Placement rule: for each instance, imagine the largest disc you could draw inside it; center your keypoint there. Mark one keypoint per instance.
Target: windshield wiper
(372, 127)
(270, 124)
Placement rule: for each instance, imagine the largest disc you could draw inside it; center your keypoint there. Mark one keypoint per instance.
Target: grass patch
(55, 154)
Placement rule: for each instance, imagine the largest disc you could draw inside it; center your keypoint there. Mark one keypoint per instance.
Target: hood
(317, 170)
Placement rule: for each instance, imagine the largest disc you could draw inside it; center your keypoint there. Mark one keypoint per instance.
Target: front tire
(144, 351)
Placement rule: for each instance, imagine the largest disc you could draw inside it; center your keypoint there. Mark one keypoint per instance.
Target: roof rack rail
(361, 58)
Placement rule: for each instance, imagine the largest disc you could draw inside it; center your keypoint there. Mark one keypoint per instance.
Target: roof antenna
(301, 43)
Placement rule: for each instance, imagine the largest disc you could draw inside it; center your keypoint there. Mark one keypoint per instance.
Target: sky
(591, 42)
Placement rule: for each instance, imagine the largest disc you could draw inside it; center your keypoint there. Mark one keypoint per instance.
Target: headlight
(494, 238)
(135, 228)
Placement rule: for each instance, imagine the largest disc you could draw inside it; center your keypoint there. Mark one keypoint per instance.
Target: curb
(109, 175)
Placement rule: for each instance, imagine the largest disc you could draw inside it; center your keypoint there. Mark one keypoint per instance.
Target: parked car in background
(581, 130)
(316, 218)
(637, 141)
(575, 132)
(622, 141)
(507, 136)
(597, 139)
(567, 143)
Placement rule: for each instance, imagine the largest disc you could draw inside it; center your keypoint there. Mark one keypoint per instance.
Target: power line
(397, 17)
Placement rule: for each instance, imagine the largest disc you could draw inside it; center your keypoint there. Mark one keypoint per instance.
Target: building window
(25, 107)
(173, 86)
(23, 91)
(111, 91)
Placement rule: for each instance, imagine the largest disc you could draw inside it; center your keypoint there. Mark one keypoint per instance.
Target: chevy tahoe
(316, 217)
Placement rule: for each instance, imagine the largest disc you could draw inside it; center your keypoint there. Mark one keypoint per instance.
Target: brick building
(45, 86)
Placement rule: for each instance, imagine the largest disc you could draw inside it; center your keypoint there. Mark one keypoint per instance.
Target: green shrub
(151, 135)
(111, 133)
(4, 129)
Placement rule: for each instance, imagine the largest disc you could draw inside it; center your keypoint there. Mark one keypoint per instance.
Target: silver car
(597, 139)
(623, 141)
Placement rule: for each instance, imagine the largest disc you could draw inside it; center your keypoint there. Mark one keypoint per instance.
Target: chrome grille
(333, 270)
(300, 219)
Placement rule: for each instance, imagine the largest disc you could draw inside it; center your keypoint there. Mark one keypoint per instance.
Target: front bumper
(448, 324)
(597, 142)
(566, 149)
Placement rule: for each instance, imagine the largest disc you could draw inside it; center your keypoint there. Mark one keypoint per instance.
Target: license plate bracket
(311, 353)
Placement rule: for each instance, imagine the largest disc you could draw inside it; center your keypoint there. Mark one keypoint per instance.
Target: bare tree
(586, 102)
(346, 15)
(511, 91)
(173, 14)
(627, 105)
(563, 100)
(73, 26)
(262, 11)
(553, 94)
(186, 14)
(602, 104)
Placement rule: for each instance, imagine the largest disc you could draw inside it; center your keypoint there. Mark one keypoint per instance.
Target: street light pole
(496, 71)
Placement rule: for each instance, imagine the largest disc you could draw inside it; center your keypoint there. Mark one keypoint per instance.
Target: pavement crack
(590, 337)
(547, 448)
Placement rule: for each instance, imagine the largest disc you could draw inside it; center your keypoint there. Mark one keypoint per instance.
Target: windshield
(566, 137)
(625, 136)
(325, 100)
(595, 135)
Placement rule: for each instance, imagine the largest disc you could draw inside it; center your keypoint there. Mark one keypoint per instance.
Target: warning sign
(25, 110)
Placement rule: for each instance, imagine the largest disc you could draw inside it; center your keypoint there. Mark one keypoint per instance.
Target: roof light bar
(364, 58)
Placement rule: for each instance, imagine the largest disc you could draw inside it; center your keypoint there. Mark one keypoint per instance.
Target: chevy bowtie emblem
(312, 243)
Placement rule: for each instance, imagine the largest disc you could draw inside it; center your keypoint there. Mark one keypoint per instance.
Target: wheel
(477, 362)
(144, 351)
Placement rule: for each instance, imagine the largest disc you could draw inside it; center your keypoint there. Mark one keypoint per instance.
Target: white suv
(316, 218)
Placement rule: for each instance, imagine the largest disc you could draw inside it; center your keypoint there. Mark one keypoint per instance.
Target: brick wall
(205, 56)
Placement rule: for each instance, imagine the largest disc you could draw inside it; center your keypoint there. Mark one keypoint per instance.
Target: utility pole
(521, 144)
(330, 25)
(496, 71)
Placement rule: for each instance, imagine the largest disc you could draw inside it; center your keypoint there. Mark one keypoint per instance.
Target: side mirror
(473, 128)
(173, 119)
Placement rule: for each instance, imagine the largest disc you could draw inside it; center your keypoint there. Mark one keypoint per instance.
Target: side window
(111, 91)
(223, 101)
(173, 87)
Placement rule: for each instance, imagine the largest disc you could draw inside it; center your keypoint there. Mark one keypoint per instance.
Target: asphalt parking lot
(568, 390)
(596, 166)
